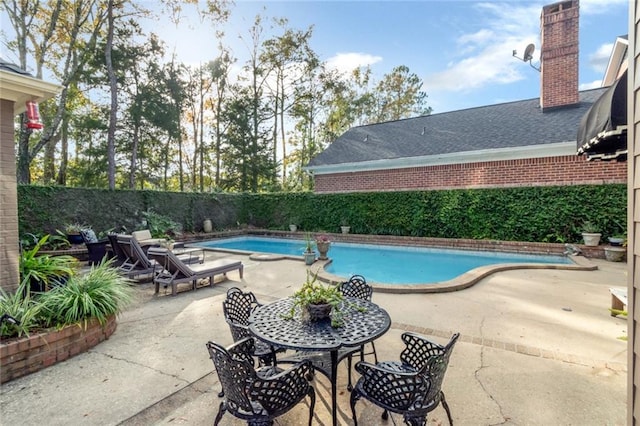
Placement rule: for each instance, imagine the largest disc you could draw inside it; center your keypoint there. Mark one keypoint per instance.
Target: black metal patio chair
(412, 386)
(258, 396)
(357, 287)
(237, 308)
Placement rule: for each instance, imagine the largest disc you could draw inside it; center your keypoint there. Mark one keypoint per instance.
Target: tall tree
(113, 88)
(399, 95)
(219, 74)
(287, 56)
(52, 33)
(260, 112)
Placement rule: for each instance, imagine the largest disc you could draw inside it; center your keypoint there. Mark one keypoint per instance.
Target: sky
(462, 50)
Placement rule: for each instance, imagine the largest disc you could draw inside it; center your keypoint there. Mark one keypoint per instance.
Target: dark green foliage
(544, 214)
(98, 294)
(43, 270)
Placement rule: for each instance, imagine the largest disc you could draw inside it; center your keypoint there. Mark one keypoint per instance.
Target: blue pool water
(386, 264)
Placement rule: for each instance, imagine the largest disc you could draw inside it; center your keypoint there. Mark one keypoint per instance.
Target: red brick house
(523, 143)
(16, 87)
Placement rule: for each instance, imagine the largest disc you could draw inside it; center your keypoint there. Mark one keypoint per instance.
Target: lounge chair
(175, 271)
(136, 263)
(117, 253)
(145, 240)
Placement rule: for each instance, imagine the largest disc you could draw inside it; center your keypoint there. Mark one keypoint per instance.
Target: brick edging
(19, 357)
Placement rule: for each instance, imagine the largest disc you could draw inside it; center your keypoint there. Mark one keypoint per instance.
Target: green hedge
(543, 214)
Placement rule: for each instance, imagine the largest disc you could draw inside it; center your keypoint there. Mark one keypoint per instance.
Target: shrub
(98, 294)
(45, 270)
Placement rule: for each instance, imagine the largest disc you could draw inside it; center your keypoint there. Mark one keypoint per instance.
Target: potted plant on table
(323, 243)
(317, 301)
(590, 234)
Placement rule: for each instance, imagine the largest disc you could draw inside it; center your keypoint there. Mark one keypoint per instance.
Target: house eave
(21, 88)
(479, 156)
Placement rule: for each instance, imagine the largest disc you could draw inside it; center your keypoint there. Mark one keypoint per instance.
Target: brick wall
(559, 54)
(560, 170)
(27, 355)
(8, 200)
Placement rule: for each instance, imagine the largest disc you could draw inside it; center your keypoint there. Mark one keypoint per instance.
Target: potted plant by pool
(323, 243)
(309, 253)
(590, 234)
(293, 224)
(344, 226)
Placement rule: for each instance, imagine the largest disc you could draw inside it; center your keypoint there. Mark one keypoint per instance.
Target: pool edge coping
(461, 282)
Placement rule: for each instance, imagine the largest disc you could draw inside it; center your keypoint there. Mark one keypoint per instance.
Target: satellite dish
(528, 52)
(528, 56)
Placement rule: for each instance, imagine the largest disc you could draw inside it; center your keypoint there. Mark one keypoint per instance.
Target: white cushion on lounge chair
(175, 271)
(144, 238)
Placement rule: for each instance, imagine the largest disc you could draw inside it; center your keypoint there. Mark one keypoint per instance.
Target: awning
(602, 134)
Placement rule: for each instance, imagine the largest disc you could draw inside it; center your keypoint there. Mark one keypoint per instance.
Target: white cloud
(595, 7)
(593, 85)
(484, 56)
(347, 62)
(600, 58)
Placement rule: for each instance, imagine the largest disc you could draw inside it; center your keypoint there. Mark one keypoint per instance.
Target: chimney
(559, 54)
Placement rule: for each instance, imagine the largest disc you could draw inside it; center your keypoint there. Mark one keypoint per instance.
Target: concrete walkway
(537, 347)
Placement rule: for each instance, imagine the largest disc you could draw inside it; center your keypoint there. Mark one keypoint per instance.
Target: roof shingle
(507, 125)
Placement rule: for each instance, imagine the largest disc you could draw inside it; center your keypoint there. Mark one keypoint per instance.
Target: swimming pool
(386, 263)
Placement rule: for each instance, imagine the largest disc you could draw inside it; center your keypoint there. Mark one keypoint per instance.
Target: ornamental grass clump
(100, 293)
(23, 308)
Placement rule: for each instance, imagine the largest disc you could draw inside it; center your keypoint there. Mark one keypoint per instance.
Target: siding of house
(633, 218)
(558, 170)
(9, 254)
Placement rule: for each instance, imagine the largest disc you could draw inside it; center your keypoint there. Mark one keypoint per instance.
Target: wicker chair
(258, 396)
(411, 387)
(237, 308)
(357, 287)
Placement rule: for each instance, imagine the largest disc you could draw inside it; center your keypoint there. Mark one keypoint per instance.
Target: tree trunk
(61, 179)
(113, 87)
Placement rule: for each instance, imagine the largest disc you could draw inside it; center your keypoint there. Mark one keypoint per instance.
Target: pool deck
(537, 346)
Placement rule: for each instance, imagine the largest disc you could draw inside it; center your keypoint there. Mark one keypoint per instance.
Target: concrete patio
(536, 347)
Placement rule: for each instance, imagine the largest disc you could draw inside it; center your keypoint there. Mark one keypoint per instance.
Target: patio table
(363, 321)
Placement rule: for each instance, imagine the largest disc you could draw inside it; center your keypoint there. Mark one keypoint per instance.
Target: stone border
(19, 357)
(461, 281)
